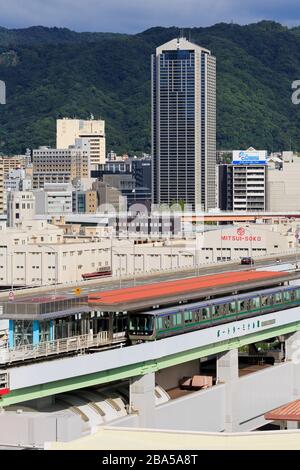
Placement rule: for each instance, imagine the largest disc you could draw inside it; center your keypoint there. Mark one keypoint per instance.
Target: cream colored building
(7, 164)
(283, 186)
(237, 241)
(91, 202)
(37, 253)
(61, 165)
(68, 130)
(20, 207)
(12, 163)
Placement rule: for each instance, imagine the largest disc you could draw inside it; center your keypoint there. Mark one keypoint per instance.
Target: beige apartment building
(283, 184)
(12, 163)
(61, 165)
(68, 130)
(91, 202)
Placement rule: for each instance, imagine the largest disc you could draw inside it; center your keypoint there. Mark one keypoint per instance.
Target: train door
(99, 322)
(120, 325)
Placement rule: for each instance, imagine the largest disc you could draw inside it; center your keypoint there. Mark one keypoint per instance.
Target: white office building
(54, 199)
(20, 207)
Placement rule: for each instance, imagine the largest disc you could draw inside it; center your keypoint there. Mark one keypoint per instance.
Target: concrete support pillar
(292, 354)
(292, 347)
(142, 399)
(292, 425)
(228, 373)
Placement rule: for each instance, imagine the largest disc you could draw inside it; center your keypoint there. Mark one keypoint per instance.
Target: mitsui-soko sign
(241, 235)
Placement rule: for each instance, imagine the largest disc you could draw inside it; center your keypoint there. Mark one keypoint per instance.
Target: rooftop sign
(249, 157)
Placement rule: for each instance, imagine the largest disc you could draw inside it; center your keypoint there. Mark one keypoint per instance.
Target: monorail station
(184, 354)
(130, 314)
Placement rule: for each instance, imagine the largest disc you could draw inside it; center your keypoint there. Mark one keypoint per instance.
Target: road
(88, 287)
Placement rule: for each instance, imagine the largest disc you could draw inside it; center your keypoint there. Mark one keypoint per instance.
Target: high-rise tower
(184, 125)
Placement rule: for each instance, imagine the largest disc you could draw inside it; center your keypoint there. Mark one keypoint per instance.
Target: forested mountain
(54, 72)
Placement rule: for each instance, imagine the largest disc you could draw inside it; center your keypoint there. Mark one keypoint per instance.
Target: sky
(132, 16)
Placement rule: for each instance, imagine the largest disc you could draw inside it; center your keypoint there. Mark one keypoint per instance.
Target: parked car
(247, 260)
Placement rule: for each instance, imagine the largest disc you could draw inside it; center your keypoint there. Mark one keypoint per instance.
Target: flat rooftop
(185, 289)
(46, 306)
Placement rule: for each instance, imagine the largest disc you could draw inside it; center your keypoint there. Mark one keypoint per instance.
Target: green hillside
(55, 72)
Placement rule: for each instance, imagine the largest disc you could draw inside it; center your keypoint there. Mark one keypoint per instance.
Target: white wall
(169, 378)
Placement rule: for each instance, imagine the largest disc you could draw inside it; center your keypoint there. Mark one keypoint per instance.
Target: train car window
(141, 323)
(197, 315)
(205, 313)
(287, 296)
(277, 298)
(293, 295)
(255, 303)
(232, 307)
(298, 294)
(159, 323)
(265, 300)
(177, 319)
(242, 305)
(217, 310)
(188, 317)
(167, 322)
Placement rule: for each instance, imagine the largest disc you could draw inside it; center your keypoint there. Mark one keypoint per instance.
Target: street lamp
(250, 239)
(11, 270)
(119, 255)
(134, 275)
(190, 253)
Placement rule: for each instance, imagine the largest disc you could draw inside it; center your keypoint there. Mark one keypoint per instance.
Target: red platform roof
(180, 287)
(288, 412)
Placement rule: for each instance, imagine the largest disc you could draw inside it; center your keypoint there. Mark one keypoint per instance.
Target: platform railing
(56, 347)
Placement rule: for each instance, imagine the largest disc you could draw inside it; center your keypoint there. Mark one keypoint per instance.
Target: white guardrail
(51, 348)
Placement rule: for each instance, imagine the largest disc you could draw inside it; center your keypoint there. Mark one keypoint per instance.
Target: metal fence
(51, 348)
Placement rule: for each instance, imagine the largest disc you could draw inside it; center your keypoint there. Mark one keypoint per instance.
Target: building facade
(61, 165)
(85, 202)
(242, 187)
(283, 188)
(20, 207)
(13, 163)
(68, 130)
(184, 125)
(242, 184)
(54, 199)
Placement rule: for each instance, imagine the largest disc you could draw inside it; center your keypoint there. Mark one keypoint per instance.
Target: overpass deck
(60, 375)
